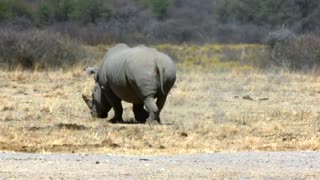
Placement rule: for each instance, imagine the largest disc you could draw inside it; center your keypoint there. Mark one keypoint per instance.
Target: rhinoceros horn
(87, 101)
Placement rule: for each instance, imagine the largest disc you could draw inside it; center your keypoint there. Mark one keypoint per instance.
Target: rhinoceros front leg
(115, 102)
(118, 111)
(140, 114)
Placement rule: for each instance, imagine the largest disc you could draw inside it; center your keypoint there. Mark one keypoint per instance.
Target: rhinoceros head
(99, 106)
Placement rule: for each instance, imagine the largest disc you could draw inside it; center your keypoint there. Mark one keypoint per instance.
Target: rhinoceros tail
(160, 70)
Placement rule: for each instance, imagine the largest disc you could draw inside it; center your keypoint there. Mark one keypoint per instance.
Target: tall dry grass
(207, 111)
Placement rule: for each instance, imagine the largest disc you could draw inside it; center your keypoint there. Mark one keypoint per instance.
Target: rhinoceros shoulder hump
(117, 48)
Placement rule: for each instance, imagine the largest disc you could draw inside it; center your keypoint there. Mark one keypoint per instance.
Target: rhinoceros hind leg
(160, 103)
(153, 111)
(152, 122)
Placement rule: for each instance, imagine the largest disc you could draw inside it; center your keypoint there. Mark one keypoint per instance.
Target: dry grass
(207, 111)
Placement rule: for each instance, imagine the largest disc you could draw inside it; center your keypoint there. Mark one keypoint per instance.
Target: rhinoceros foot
(141, 117)
(152, 122)
(116, 120)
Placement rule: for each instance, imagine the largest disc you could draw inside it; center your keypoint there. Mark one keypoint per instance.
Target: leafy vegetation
(10, 9)
(70, 10)
(300, 15)
(159, 7)
(163, 21)
(67, 10)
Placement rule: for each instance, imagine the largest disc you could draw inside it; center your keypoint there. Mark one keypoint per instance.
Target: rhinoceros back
(134, 73)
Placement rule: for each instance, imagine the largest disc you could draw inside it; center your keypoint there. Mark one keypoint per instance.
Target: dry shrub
(235, 33)
(91, 34)
(38, 49)
(299, 53)
(279, 36)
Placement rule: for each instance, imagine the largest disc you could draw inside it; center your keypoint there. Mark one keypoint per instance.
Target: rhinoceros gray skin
(136, 75)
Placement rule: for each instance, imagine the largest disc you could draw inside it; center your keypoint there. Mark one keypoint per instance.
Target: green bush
(10, 9)
(57, 10)
(158, 7)
(41, 49)
(68, 10)
(269, 13)
(90, 11)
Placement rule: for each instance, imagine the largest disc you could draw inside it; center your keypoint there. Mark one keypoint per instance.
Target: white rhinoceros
(136, 75)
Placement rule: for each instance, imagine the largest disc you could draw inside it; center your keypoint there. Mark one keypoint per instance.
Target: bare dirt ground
(243, 165)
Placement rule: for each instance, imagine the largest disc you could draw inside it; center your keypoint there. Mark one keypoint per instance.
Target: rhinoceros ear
(91, 70)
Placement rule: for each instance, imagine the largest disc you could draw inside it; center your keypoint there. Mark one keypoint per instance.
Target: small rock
(263, 99)
(144, 159)
(247, 97)
(162, 169)
(183, 134)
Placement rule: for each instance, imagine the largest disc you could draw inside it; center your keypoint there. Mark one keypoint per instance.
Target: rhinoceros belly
(127, 94)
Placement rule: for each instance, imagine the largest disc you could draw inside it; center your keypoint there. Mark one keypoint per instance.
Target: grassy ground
(216, 105)
(206, 111)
